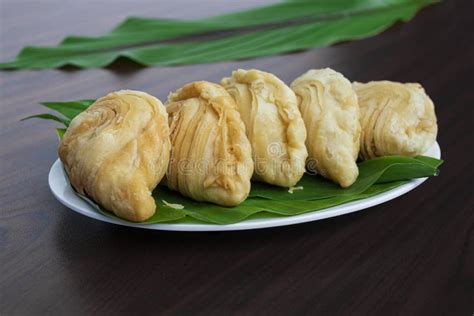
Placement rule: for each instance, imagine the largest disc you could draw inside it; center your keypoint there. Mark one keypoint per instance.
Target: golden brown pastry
(396, 119)
(274, 125)
(331, 115)
(211, 156)
(117, 151)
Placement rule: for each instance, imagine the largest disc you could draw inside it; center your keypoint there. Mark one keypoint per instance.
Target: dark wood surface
(411, 256)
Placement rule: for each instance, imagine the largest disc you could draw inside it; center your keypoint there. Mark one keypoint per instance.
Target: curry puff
(117, 151)
(331, 115)
(211, 155)
(273, 123)
(396, 119)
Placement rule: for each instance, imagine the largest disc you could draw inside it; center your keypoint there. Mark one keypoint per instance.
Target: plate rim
(59, 185)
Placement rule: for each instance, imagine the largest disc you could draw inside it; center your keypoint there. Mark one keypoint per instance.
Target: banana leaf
(283, 27)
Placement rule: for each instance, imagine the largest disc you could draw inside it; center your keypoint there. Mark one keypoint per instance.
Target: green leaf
(281, 203)
(47, 116)
(274, 29)
(69, 109)
(60, 132)
(377, 170)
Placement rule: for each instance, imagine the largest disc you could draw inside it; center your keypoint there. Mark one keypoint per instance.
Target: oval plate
(65, 194)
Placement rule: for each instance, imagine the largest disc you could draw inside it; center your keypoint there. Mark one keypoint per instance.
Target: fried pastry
(331, 116)
(396, 119)
(211, 155)
(117, 151)
(274, 125)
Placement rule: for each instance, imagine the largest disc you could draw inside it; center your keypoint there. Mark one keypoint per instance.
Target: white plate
(66, 195)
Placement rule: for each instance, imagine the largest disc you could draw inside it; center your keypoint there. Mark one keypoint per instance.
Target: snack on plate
(396, 119)
(210, 140)
(117, 151)
(274, 125)
(211, 156)
(331, 115)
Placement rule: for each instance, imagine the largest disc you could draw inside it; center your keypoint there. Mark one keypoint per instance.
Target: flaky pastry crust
(211, 155)
(117, 151)
(331, 114)
(396, 119)
(274, 125)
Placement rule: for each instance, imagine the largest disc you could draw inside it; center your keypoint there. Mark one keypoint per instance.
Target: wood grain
(412, 256)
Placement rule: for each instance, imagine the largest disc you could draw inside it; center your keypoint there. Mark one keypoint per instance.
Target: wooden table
(412, 256)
